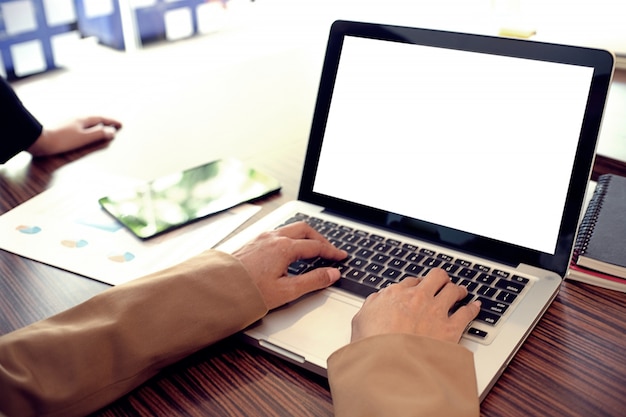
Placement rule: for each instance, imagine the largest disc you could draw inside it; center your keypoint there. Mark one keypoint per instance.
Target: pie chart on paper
(28, 230)
(122, 257)
(81, 243)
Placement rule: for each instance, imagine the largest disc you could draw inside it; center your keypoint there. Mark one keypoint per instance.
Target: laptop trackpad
(313, 327)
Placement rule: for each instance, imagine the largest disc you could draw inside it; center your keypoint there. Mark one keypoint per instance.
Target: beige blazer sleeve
(84, 358)
(403, 375)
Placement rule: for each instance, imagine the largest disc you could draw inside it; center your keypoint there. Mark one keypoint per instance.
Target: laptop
(438, 149)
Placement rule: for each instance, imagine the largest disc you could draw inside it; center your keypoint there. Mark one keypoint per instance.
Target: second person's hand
(75, 134)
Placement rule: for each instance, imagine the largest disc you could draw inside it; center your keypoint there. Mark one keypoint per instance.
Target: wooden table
(574, 362)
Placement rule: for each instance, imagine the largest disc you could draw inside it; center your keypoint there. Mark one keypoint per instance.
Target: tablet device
(175, 200)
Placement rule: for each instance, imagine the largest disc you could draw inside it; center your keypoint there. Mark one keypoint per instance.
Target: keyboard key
(500, 273)
(493, 306)
(321, 263)
(355, 287)
(351, 238)
(354, 275)
(335, 234)
(470, 285)
(397, 253)
(521, 280)
(487, 317)
(413, 270)
(364, 253)
(335, 242)
(415, 258)
(432, 262)
(486, 291)
(397, 263)
(444, 257)
(381, 247)
(349, 247)
(468, 273)
(463, 263)
(386, 283)
(357, 263)
(392, 274)
(476, 332)
(485, 279)
(374, 268)
(380, 258)
(409, 247)
(324, 230)
(372, 280)
(506, 297)
(366, 243)
(450, 268)
(514, 287)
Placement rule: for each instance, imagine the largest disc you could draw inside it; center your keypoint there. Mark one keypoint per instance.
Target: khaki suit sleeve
(84, 358)
(403, 375)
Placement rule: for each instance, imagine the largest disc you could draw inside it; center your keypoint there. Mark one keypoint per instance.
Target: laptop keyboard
(374, 262)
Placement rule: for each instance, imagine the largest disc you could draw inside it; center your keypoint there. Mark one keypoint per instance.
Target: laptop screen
(480, 143)
(476, 142)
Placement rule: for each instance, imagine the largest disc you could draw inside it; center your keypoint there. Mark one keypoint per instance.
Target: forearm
(403, 375)
(84, 358)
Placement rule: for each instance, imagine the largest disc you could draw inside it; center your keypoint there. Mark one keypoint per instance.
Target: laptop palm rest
(308, 330)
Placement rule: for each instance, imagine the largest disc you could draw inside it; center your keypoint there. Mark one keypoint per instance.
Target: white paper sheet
(65, 227)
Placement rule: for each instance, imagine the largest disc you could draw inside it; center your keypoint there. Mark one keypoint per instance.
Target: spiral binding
(590, 219)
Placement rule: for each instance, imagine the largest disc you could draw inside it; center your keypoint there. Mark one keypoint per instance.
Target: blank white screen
(475, 142)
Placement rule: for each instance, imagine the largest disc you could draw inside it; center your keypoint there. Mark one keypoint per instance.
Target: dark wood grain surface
(574, 363)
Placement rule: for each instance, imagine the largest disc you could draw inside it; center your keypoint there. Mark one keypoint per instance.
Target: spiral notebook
(442, 148)
(601, 242)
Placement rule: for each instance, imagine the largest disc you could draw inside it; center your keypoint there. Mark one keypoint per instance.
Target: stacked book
(599, 256)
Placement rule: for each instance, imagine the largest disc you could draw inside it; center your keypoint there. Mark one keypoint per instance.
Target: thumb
(314, 280)
(99, 132)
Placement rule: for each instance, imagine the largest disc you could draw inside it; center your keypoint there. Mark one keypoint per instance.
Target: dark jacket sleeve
(18, 128)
